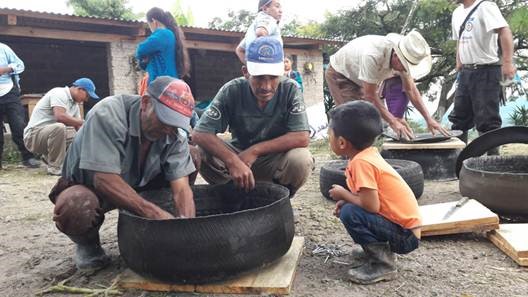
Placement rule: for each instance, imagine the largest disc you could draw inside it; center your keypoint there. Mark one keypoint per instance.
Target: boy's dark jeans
(366, 228)
(12, 112)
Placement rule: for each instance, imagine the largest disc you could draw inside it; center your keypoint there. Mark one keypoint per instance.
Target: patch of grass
(519, 116)
(318, 147)
(11, 156)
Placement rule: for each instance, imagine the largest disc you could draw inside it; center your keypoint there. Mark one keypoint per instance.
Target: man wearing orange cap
(126, 144)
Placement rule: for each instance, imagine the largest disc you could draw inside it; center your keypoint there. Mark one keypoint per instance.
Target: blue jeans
(366, 228)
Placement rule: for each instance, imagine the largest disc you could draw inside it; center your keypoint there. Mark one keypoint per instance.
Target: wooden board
(275, 279)
(452, 143)
(471, 217)
(512, 240)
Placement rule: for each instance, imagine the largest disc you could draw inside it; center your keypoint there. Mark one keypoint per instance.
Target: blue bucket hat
(88, 85)
(265, 56)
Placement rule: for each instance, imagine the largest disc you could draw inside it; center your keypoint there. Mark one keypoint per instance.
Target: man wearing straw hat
(358, 68)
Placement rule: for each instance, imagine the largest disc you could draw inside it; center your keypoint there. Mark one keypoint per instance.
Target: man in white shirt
(54, 121)
(357, 69)
(479, 65)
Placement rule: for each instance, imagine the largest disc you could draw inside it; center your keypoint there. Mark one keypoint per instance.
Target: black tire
(233, 232)
(437, 164)
(498, 182)
(490, 140)
(333, 172)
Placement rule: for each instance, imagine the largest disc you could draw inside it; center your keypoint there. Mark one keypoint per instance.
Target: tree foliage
(114, 9)
(183, 18)
(238, 21)
(433, 19)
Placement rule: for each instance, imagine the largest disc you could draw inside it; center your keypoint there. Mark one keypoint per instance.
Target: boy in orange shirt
(380, 211)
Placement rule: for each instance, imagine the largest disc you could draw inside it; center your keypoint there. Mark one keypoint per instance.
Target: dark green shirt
(109, 141)
(236, 107)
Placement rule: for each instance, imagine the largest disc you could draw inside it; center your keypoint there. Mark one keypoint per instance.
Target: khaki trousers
(290, 169)
(50, 141)
(341, 88)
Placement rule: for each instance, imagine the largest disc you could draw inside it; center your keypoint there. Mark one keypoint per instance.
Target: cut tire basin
(233, 232)
(498, 182)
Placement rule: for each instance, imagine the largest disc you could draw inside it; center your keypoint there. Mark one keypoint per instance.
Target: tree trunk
(405, 27)
(445, 101)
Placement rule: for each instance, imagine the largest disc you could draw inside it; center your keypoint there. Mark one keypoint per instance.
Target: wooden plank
(452, 143)
(512, 240)
(276, 278)
(471, 217)
(131, 280)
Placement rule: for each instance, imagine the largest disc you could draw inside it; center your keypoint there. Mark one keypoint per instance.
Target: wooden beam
(60, 34)
(301, 52)
(11, 20)
(214, 46)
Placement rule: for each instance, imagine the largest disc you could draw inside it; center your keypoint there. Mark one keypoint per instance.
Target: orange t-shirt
(397, 202)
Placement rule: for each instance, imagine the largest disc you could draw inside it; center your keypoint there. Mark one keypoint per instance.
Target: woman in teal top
(163, 52)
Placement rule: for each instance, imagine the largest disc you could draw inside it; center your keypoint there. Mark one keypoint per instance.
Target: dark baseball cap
(173, 101)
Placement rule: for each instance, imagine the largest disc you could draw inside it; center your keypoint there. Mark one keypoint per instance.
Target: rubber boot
(380, 265)
(359, 258)
(89, 255)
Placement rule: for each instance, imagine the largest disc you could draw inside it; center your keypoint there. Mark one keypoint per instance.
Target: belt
(480, 66)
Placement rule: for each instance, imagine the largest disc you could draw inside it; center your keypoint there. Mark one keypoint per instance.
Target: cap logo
(178, 98)
(266, 53)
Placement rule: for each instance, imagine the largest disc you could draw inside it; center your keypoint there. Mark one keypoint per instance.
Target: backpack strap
(461, 29)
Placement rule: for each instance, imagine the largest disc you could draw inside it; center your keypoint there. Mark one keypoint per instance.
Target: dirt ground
(34, 255)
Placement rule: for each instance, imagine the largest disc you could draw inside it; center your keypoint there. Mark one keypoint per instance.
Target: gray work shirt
(236, 107)
(109, 141)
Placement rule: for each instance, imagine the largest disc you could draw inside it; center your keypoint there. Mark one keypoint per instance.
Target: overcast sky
(203, 10)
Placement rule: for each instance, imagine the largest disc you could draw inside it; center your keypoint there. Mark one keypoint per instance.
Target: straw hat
(414, 53)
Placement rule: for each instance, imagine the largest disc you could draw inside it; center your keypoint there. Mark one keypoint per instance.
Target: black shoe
(31, 163)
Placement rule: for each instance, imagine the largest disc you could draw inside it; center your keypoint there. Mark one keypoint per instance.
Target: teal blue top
(157, 54)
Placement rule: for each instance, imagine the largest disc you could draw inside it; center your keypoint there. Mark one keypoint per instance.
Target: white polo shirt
(478, 43)
(43, 115)
(364, 59)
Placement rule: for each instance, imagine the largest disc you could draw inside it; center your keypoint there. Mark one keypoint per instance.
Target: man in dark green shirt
(126, 144)
(266, 116)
